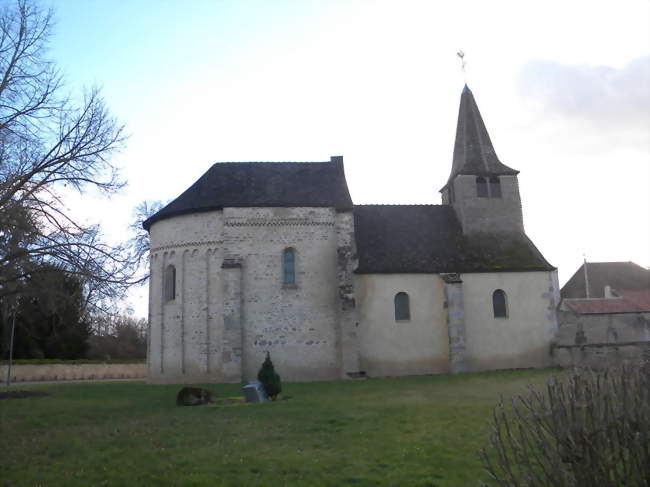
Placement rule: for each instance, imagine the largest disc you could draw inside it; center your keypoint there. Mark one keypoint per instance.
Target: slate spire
(473, 150)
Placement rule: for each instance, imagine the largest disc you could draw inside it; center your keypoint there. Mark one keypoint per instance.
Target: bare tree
(140, 243)
(50, 144)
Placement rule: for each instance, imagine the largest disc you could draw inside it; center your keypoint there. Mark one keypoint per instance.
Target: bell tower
(483, 191)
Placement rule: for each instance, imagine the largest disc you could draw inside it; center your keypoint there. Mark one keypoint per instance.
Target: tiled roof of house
(428, 239)
(619, 276)
(263, 184)
(628, 302)
(628, 282)
(473, 150)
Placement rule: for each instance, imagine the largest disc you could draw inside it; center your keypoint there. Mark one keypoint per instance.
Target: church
(274, 256)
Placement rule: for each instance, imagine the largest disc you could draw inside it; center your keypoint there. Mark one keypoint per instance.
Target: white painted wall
(389, 347)
(523, 338)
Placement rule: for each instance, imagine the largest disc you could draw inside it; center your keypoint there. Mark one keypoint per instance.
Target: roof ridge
(270, 162)
(399, 204)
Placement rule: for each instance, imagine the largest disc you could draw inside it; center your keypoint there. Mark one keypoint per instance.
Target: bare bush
(587, 429)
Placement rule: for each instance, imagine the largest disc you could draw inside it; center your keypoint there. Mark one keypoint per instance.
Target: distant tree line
(117, 336)
(51, 322)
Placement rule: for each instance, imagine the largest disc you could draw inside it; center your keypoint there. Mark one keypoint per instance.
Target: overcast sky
(563, 87)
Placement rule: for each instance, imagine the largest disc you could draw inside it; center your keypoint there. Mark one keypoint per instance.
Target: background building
(604, 315)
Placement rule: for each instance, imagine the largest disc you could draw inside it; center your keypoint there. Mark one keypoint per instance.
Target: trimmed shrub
(587, 429)
(269, 378)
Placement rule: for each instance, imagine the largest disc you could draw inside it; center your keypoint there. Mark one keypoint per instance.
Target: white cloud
(603, 97)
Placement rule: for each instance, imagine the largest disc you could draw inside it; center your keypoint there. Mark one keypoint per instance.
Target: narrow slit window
(289, 267)
(481, 187)
(495, 187)
(500, 303)
(169, 283)
(402, 307)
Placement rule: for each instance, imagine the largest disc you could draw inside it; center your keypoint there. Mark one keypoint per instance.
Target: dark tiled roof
(620, 276)
(395, 239)
(473, 150)
(263, 184)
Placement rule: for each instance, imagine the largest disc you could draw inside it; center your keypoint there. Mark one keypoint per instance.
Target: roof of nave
(263, 184)
(402, 239)
(473, 150)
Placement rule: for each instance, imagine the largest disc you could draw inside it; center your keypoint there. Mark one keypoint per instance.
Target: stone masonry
(231, 306)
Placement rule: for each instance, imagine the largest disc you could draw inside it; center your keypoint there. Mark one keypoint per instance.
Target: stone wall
(348, 319)
(231, 305)
(487, 214)
(185, 334)
(600, 355)
(521, 340)
(580, 329)
(601, 340)
(51, 372)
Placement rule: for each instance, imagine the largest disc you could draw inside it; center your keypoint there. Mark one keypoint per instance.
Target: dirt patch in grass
(240, 401)
(229, 401)
(21, 394)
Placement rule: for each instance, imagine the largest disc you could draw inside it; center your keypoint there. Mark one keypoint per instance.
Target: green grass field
(420, 431)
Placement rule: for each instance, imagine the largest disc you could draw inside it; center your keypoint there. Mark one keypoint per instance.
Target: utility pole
(11, 346)
(584, 266)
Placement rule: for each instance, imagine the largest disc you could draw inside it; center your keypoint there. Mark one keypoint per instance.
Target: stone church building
(259, 256)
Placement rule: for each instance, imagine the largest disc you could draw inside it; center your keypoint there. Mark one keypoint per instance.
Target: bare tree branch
(48, 143)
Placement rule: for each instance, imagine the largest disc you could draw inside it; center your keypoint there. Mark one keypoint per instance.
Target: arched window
(500, 303)
(495, 187)
(481, 187)
(169, 283)
(402, 307)
(451, 192)
(289, 267)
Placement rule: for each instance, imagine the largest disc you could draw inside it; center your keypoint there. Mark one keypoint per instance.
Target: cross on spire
(461, 56)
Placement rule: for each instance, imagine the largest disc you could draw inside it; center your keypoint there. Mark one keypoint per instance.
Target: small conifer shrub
(269, 378)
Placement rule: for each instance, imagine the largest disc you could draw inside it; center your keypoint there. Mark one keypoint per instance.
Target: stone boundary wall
(600, 355)
(601, 340)
(51, 372)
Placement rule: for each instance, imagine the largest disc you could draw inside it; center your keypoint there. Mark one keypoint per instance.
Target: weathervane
(461, 55)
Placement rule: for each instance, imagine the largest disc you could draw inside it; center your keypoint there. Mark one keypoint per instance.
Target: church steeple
(473, 151)
(483, 191)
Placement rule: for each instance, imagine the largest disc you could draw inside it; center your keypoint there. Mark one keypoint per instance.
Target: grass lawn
(420, 431)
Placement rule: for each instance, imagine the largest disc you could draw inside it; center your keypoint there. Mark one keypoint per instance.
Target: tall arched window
(500, 303)
(495, 187)
(481, 187)
(169, 283)
(402, 307)
(289, 267)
